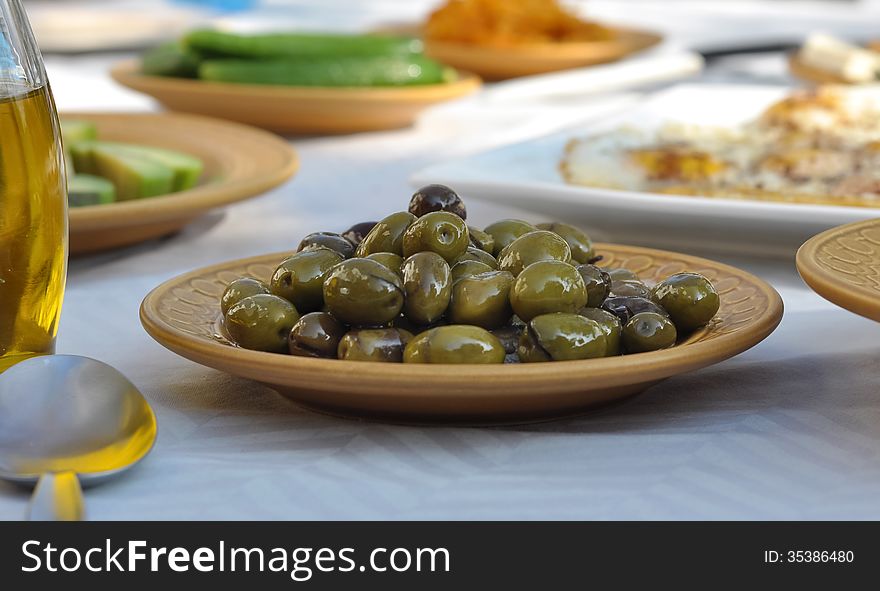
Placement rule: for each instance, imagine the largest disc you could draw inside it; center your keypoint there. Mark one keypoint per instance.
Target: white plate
(526, 175)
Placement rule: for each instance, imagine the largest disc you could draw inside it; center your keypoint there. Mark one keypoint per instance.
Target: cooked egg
(819, 146)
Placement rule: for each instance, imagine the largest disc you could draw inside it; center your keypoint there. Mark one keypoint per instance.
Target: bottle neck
(21, 65)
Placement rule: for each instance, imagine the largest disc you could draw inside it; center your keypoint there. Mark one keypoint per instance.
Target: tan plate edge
(494, 62)
(833, 284)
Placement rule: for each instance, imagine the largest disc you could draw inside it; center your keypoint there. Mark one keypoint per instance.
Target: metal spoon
(64, 419)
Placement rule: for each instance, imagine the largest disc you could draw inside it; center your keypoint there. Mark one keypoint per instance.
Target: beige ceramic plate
(288, 109)
(240, 162)
(183, 314)
(498, 63)
(843, 266)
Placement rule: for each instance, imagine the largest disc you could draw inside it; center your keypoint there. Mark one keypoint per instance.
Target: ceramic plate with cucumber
(102, 172)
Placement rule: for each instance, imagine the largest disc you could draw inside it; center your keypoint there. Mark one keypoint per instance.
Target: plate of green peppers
(297, 82)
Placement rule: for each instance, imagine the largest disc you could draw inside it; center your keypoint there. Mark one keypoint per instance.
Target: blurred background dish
(295, 82)
(843, 266)
(528, 175)
(499, 40)
(500, 63)
(290, 109)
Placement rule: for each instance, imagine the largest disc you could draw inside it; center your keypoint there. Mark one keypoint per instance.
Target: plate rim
(192, 202)
(852, 298)
(561, 50)
(126, 73)
(649, 366)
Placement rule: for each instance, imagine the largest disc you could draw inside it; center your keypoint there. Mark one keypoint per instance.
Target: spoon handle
(57, 497)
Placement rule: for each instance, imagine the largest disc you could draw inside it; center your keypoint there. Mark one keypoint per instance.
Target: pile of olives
(421, 286)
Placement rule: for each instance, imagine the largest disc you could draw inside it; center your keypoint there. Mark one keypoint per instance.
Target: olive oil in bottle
(33, 223)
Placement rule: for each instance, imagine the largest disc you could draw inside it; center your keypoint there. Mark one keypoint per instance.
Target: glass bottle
(33, 196)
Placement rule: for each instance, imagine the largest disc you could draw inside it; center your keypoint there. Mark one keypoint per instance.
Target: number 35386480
(820, 556)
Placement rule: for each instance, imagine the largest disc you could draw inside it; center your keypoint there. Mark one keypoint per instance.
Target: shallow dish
(843, 266)
(498, 63)
(240, 162)
(527, 175)
(183, 314)
(288, 109)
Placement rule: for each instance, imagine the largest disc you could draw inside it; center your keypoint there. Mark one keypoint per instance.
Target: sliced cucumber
(185, 169)
(133, 176)
(76, 130)
(87, 189)
(80, 154)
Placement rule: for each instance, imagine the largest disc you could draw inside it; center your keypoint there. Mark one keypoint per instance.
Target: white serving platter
(527, 176)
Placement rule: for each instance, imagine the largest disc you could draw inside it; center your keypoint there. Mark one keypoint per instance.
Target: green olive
(428, 287)
(387, 235)
(362, 292)
(610, 325)
(578, 240)
(597, 282)
(648, 331)
(482, 300)
(504, 232)
(545, 287)
(328, 240)
(240, 289)
(439, 231)
(390, 260)
(629, 288)
(475, 254)
(261, 322)
(539, 245)
(454, 344)
(374, 344)
(562, 337)
(300, 278)
(528, 350)
(621, 274)
(627, 307)
(463, 269)
(316, 335)
(482, 240)
(690, 299)
(404, 323)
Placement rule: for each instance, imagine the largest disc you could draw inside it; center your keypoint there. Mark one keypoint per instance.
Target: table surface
(787, 430)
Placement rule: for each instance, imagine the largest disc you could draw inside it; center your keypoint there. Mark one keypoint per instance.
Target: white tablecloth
(788, 430)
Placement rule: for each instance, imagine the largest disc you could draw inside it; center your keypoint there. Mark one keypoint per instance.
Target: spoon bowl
(63, 414)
